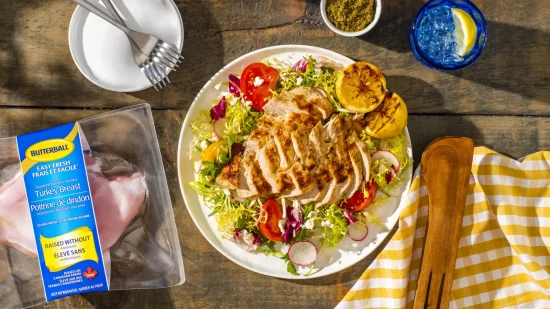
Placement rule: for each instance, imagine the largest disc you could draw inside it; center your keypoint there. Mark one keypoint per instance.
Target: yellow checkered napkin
(503, 257)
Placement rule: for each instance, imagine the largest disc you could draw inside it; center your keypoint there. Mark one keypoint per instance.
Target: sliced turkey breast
(302, 100)
(339, 162)
(230, 175)
(365, 156)
(269, 161)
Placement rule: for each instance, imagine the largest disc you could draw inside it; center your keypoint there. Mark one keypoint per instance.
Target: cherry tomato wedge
(269, 220)
(257, 81)
(358, 201)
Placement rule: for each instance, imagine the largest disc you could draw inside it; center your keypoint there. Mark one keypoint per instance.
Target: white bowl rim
(369, 27)
(106, 87)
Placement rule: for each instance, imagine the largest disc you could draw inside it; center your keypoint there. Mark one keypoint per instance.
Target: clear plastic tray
(148, 254)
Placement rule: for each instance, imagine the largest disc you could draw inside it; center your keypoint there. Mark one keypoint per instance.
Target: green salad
(274, 225)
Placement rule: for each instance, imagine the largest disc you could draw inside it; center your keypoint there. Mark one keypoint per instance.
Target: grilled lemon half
(360, 87)
(389, 118)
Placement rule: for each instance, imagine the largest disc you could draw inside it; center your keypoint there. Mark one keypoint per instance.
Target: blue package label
(62, 213)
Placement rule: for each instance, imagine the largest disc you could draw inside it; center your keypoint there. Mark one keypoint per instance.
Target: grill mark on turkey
(309, 107)
(323, 177)
(261, 183)
(303, 177)
(286, 182)
(232, 171)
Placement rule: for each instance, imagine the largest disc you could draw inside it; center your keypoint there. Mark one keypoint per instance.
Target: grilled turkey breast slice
(302, 100)
(339, 162)
(229, 177)
(356, 163)
(269, 161)
(314, 157)
(355, 157)
(365, 156)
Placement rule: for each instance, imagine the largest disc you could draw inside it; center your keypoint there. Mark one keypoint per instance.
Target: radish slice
(358, 231)
(389, 158)
(219, 127)
(302, 253)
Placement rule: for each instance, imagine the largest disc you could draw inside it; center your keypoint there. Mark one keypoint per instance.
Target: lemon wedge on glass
(465, 33)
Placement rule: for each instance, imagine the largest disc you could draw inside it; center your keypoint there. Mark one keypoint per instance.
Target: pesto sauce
(350, 15)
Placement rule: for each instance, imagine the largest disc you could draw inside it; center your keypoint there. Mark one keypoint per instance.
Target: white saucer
(102, 52)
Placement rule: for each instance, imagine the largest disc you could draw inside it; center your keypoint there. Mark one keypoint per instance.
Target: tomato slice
(269, 220)
(257, 82)
(358, 201)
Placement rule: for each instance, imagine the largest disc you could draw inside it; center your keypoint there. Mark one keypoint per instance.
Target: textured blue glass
(432, 39)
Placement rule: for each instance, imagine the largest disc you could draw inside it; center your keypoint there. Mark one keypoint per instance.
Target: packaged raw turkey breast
(85, 207)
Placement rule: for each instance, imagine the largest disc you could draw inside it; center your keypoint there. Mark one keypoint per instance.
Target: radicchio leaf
(392, 173)
(237, 148)
(234, 85)
(218, 111)
(349, 217)
(294, 223)
(249, 241)
(301, 65)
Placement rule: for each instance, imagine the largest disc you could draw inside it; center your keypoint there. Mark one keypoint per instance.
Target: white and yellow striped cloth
(503, 259)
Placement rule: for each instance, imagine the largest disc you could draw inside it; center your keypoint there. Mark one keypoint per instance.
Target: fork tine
(164, 63)
(171, 48)
(142, 68)
(169, 60)
(161, 77)
(161, 49)
(153, 76)
(163, 68)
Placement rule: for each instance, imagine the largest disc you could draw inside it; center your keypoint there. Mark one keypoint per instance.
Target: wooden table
(502, 101)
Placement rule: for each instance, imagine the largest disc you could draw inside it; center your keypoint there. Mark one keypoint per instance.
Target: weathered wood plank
(215, 282)
(39, 70)
(510, 78)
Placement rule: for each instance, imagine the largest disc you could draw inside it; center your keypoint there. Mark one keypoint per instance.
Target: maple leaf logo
(90, 273)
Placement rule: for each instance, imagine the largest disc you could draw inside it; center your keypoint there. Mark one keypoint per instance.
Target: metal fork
(153, 56)
(141, 59)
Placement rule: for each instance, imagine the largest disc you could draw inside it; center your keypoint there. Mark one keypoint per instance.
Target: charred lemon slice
(389, 118)
(360, 87)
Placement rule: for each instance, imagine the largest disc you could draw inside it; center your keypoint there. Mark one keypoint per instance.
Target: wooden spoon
(446, 168)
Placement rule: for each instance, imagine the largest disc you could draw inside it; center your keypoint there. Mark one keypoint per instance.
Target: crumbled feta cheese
(258, 81)
(203, 144)
(218, 85)
(309, 224)
(327, 223)
(214, 137)
(227, 192)
(248, 237)
(247, 103)
(299, 81)
(246, 240)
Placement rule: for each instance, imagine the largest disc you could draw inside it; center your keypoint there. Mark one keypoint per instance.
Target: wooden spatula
(446, 167)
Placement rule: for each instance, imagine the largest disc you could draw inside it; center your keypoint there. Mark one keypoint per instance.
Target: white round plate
(329, 260)
(102, 52)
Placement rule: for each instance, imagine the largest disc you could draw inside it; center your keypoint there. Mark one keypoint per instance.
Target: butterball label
(61, 208)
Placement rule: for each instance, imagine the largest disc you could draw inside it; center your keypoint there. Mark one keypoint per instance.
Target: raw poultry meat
(117, 201)
(291, 153)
